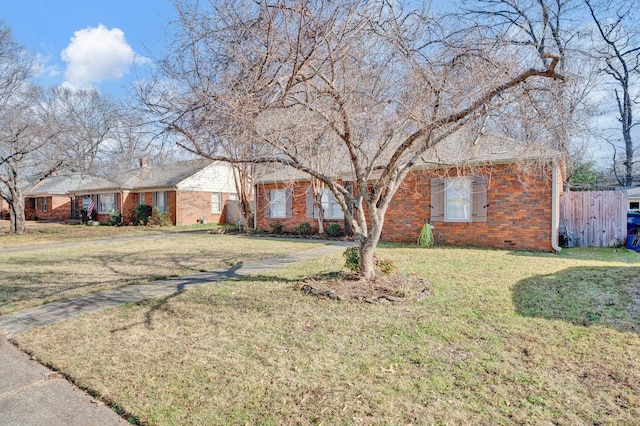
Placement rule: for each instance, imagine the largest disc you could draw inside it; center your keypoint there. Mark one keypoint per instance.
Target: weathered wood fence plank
(593, 218)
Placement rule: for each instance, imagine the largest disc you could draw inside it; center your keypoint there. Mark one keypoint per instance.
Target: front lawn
(507, 338)
(38, 276)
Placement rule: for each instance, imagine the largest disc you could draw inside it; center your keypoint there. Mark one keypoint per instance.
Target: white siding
(217, 177)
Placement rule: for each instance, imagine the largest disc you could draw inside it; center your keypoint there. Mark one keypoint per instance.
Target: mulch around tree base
(384, 289)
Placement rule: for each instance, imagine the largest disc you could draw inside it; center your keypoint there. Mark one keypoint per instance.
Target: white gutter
(555, 219)
(255, 207)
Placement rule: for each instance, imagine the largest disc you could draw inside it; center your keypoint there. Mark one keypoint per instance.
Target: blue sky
(104, 44)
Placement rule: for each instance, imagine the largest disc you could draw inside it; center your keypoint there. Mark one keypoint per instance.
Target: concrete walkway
(31, 394)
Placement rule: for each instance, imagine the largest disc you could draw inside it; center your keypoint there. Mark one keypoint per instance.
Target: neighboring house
(189, 192)
(4, 209)
(494, 193)
(49, 200)
(633, 199)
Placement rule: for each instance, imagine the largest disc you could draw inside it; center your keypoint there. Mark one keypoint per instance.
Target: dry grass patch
(256, 351)
(32, 278)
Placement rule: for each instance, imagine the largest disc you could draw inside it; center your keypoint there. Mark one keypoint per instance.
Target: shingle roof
(59, 185)
(166, 175)
(457, 150)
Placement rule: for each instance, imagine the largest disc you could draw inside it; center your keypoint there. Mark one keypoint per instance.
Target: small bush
(142, 214)
(387, 266)
(304, 228)
(334, 230)
(115, 218)
(276, 228)
(352, 258)
(161, 218)
(84, 215)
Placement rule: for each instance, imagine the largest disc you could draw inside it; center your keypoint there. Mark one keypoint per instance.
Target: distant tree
(25, 129)
(387, 81)
(615, 45)
(583, 176)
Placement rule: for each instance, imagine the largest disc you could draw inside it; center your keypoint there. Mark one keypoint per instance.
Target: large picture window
(106, 203)
(160, 201)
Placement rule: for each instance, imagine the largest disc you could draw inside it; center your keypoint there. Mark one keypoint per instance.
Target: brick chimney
(143, 161)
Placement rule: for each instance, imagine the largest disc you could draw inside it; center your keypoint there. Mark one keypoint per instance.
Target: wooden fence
(593, 218)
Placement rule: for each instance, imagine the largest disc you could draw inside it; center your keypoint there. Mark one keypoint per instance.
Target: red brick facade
(518, 210)
(298, 211)
(51, 208)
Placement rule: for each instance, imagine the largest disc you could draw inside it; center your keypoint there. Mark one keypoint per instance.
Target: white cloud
(95, 55)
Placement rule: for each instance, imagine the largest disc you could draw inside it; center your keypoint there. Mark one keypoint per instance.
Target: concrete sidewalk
(31, 394)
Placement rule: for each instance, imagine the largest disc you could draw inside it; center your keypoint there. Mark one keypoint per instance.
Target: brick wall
(518, 213)
(58, 209)
(299, 208)
(193, 205)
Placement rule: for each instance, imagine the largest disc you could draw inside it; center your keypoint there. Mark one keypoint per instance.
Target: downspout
(255, 207)
(555, 220)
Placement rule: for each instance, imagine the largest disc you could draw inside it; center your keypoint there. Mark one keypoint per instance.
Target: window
(278, 203)
(461, 199)
(216, 202)
(330, 206)
(634, 205)
(457, 196)
(160, 201)
(45, 204)
(141, 201)
(106, 203)
(233, 197)
(86, 200)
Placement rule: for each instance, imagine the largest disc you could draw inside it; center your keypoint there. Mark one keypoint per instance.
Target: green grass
(508, 337)
(35, 277)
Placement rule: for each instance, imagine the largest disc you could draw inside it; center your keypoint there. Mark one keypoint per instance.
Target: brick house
(49, 200)
(492, 193)
(189, 192)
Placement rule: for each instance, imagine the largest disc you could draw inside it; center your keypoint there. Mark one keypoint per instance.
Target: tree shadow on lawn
(586, 253)
(159, 304)
(585, 296)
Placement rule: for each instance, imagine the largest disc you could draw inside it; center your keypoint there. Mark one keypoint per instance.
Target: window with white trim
(106, 203)
(330, 206)
(161, 201)
(45, 204)
(216, 202)
(634, 206)
(278, 203)
(141, 201)
(86, 200)
(457, 199)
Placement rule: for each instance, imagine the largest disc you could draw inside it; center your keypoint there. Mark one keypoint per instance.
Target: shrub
(387, 266)
(115, 218)
(304, 228)
(142, 214)
(84, 215)
(352, 258)
(334, 230)
(161, 218)
(276, 228)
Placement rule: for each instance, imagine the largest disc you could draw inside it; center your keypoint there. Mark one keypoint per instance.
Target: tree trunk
(368, 246)
(17, 218)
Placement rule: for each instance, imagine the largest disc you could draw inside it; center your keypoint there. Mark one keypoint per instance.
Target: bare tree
(386, 82)
(616, 47)
(24, 129)
(88, 120)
